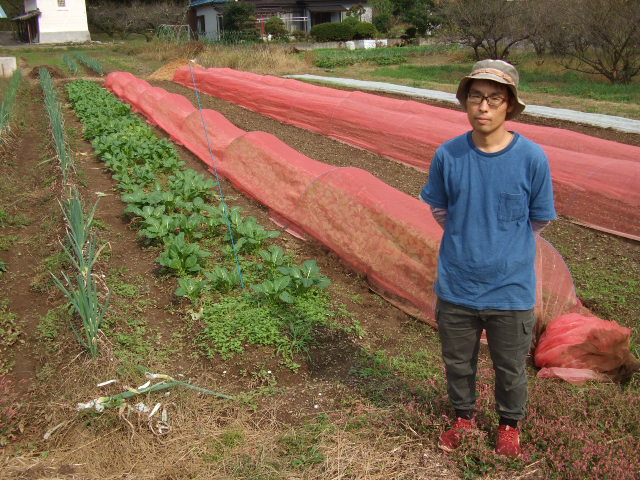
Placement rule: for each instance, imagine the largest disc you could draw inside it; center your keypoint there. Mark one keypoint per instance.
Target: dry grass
(210, 439)
(257, 58)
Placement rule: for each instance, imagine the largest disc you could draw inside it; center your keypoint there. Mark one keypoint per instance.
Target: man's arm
(539, 225)
(440, 214)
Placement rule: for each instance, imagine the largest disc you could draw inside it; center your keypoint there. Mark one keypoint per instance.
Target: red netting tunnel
(595, 181)
(386, 234)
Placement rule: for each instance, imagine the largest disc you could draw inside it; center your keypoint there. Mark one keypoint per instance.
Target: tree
(356, 11)
(598, 37)
(275, 27)
(383, 17)
(490, 27)
(421, 14)
(138, 16)
(239, 17)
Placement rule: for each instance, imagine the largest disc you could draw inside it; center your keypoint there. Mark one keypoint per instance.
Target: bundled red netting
(579, 348)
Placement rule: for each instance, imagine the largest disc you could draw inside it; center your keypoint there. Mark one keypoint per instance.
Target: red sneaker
(450, 440)
(508, 443)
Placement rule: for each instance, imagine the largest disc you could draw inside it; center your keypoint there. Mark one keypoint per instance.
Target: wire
(215, 171)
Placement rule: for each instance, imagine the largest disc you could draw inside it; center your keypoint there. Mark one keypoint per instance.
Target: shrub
(332, 32)
(382, 22)
(364, 30)
(239, 17)
(300, 35)
(275, 27)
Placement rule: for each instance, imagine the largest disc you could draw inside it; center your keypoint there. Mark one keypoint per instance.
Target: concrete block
(8, 65)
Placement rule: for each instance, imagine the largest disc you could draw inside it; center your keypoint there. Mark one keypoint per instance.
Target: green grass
(10, 332)
(565, 83)
(234, 321)
(6, 241)
(437, 73)
(331, 58)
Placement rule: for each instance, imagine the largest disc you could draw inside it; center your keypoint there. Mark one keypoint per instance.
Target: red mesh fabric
(220, 134)
(575, 376)
(117, 83)
(583, 342)
(382, 232)
(270, 171)
(596, 180)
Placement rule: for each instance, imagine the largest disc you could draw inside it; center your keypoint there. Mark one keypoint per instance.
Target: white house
(205, 16)
(53, 21)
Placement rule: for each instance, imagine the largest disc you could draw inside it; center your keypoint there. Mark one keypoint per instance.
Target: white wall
(210, 20)
(63, 24)
(367, 16)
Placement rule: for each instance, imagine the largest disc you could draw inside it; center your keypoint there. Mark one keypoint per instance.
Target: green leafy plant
(71, 64)
(56, 122)
(189, 184)
(306, 276)
(273, 256)
(182, 257)
(6, 106)
(222, 279)
(276, 289)
(191, 288)
(251, 235)
(91, 63)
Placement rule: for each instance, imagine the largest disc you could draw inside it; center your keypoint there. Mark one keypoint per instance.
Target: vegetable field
(155, 323)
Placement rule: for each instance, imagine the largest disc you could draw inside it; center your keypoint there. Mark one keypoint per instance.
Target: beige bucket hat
(497, 71)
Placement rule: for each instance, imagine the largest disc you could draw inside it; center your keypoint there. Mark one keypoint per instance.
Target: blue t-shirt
(487, 254)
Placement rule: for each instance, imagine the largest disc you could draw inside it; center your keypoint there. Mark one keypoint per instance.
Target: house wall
(367, 16)
(62, 24)
(210, 21)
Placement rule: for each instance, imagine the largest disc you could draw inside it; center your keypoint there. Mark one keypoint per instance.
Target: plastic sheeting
(389, 236)
(595, 180)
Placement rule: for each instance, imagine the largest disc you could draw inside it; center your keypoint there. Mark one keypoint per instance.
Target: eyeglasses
(494, 101)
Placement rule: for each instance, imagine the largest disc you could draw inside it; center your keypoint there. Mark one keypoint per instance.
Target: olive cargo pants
(509, 334)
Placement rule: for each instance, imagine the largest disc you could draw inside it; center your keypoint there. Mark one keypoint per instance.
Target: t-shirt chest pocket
(511, 207)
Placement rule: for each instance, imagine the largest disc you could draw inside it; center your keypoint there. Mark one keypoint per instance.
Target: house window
(200, 23)
(62, 3)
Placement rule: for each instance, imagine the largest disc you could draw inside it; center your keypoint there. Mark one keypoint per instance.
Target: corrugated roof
(199, 3)
(28, 15)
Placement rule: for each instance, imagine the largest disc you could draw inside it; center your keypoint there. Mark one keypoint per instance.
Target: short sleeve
(434, 192)
(541, 205)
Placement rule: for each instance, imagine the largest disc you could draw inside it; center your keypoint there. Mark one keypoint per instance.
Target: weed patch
(10, 332)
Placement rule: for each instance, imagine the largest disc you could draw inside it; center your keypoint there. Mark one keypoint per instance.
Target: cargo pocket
(528, 324)
(511, 207)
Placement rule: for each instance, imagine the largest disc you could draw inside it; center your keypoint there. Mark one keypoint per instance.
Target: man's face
(484, 118)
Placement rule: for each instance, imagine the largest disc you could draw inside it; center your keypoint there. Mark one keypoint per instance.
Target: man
(490, 190)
